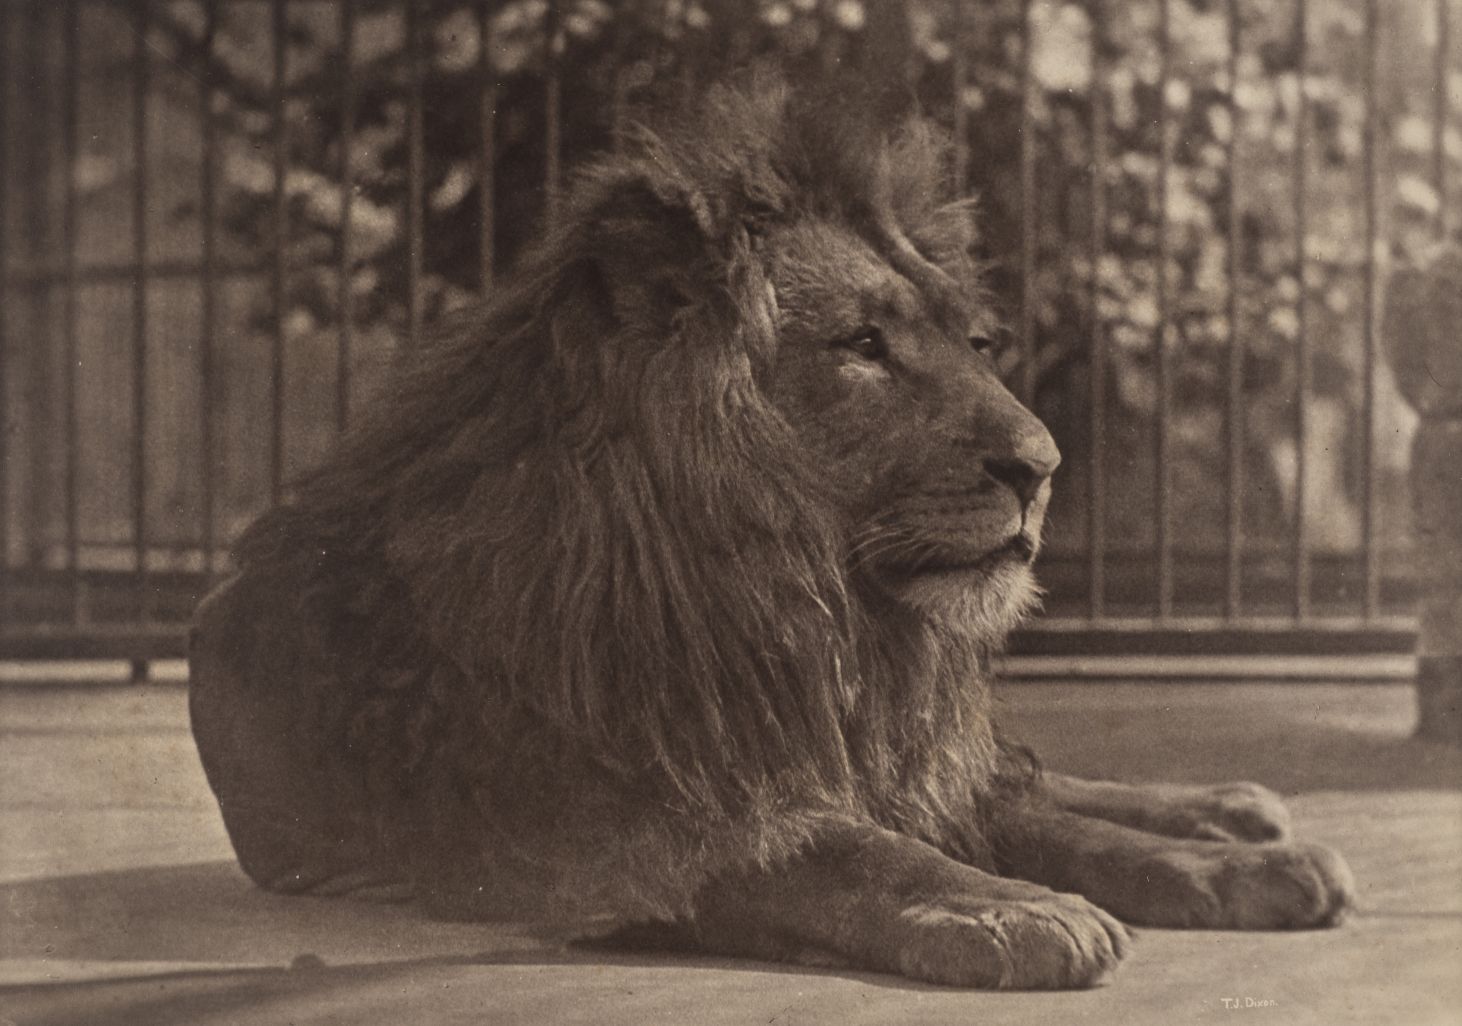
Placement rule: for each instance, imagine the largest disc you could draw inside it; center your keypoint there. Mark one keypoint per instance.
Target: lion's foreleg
(873, 899)
(1148, 879)
(1214, 812)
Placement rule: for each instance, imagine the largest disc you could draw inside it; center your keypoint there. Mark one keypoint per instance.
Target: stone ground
(120, 902)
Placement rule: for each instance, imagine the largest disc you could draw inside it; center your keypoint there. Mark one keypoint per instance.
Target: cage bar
(959, 77)
(1162, 484)
(415, 172)
(1370, 555)
(552, 113)
(70, 143)
(1027, 211)
(344, 298)
(5, 451)
(1300, 570)
(34, 129)
(1096, 507)
(141, 85)
(1440, 99)
(486, 154)
(34, 126)
(278, 275)
(631, 12)
(1234, 408)
(208, 306)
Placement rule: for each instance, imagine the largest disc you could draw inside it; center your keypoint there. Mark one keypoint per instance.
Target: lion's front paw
(1051, 942)
(1247, 887)
(1238, 812)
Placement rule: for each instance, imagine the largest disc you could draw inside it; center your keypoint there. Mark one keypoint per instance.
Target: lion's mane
(572, 599)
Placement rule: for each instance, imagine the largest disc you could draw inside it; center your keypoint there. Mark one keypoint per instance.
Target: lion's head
(721, 493)
(883, 369)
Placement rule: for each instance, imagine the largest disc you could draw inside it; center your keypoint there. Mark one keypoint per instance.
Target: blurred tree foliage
(961, 61)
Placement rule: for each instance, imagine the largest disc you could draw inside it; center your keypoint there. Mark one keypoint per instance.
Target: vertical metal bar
(688, 48)
(1301, 568)
(208, 308)
(33, 133)
(5, 137)
(344, 298)
(959, 76)
(829, 52)
(141, 85)
(415, 172)
(1370, 551)
(552, 113)
(626, 25)
(1027, 211)
(1162, 484)
(1096, 510)
(1439, 115)
(629, 26)
(279, 27)
(486, 155)
(70, 135)
(1234, 411)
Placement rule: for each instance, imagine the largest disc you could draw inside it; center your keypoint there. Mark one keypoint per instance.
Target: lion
(660, 591)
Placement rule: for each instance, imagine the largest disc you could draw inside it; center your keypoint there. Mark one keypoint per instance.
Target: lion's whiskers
(876, 543)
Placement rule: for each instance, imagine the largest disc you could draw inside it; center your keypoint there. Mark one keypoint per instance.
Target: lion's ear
(650, 246)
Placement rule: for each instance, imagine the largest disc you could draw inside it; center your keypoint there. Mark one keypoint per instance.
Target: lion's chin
(984, 601)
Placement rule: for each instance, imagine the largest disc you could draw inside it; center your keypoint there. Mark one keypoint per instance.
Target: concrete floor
(120, 901)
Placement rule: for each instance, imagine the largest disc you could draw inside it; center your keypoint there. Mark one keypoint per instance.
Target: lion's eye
(983, 344)
(867, 343)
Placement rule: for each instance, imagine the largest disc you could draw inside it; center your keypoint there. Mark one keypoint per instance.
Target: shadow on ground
(203, 941)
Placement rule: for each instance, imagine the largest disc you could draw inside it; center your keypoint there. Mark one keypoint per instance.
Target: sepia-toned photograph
(801, 512)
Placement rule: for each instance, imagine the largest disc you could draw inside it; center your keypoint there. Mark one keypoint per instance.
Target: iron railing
(69, 588)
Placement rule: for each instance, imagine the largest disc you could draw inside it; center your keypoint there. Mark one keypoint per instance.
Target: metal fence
(176, 198)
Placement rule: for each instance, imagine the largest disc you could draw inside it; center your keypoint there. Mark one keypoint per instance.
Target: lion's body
(634, 585)
(502, 614)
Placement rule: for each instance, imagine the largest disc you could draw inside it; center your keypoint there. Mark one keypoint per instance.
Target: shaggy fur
(577, 544)
(648, 575)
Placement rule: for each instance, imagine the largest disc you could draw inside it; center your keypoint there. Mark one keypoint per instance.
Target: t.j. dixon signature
(1233, 1003)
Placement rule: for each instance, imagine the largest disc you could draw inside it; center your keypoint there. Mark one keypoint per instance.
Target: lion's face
(883, 371)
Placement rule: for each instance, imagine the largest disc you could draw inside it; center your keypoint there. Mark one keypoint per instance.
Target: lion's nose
(1025, 470)
(1019, 476)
